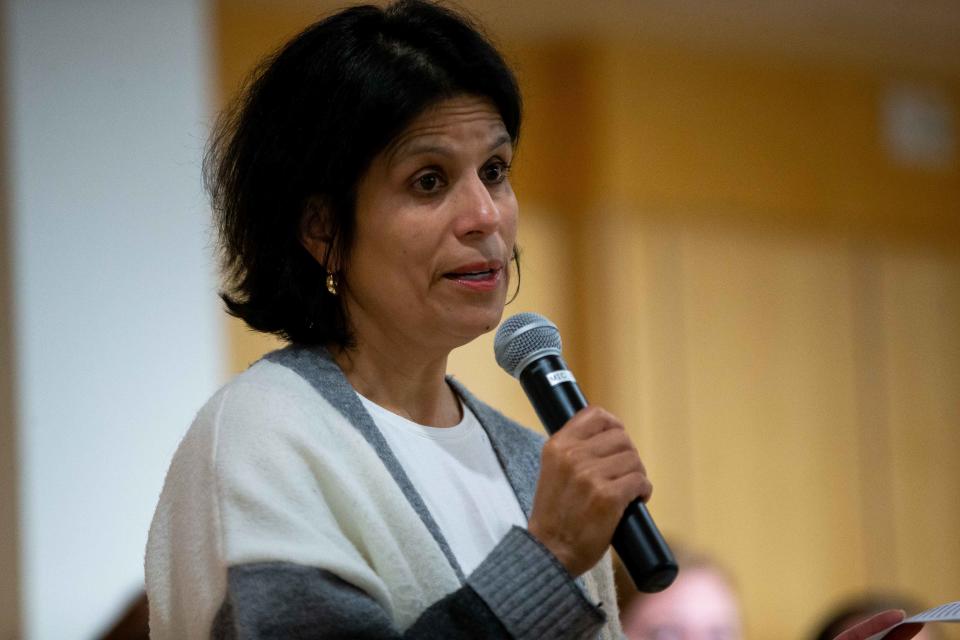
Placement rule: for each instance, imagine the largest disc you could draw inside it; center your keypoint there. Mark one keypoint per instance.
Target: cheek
(411, 250)
(510, 216)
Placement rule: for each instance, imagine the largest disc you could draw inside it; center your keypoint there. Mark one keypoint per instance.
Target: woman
(366, 215)
(365, 211)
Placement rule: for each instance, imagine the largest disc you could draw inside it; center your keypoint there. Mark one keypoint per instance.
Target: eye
(495, 172)
(428, 182)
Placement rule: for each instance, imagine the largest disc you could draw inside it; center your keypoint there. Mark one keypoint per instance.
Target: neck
(410, 384)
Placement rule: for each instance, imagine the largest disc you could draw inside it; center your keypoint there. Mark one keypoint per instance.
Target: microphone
(527, 346)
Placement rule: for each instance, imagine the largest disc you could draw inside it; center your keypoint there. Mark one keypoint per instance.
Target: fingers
(625, 489)
(625, 474)
(617, 480)
(593, 433)
(589, 422)
(904, 632)
(595, 445)
(590, 471)
(601, 446)
(875, 625)
(617, 465)
(610, 442)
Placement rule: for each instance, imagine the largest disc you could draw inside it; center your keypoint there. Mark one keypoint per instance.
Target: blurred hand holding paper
(949, 612)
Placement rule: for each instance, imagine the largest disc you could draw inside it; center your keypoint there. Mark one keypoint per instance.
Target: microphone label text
(556, 377)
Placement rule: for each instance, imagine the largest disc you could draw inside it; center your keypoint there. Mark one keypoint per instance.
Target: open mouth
(474, 276)
(479, 276)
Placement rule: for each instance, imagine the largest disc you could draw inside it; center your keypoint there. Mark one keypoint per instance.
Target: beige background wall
(742, 272)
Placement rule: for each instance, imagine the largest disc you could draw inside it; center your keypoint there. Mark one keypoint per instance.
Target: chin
(474, 325)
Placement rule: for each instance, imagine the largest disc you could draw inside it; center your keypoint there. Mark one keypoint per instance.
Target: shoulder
(265, 395)
(256, 453)
(268, 408)
(284, 385)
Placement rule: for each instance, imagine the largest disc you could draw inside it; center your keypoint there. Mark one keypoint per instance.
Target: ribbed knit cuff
(531, 593)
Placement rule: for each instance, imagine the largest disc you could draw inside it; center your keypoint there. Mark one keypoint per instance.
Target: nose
(477, 211)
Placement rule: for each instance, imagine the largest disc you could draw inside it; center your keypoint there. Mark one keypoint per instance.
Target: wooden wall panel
(921, 315)
(765, 143)
(773, 419)
(736, 360)
(743, 276)
(728, 356)
(637, 347)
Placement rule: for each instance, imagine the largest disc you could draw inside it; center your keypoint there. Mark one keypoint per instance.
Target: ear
(315, 233)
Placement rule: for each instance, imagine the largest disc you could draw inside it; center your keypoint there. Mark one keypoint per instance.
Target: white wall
(116, 337)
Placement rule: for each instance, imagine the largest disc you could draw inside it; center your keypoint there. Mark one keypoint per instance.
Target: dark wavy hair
(304, 131)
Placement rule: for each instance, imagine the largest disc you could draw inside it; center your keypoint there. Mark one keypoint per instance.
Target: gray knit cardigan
(519, 591)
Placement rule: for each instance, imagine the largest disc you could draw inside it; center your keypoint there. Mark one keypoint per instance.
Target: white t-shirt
(456, 472)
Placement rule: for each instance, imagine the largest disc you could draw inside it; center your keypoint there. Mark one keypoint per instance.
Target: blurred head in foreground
(849, 612)
(702, 604)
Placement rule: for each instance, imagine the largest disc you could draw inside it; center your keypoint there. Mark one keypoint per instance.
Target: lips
(472, 275)
(481, 276)
(475, 272)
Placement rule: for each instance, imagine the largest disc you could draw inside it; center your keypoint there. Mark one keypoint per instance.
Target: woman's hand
(878, 623)
(590, 472)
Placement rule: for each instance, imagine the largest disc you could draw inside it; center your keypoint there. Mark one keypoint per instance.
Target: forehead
(468, 119)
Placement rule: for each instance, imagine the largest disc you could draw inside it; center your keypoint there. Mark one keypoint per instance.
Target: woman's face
(700, 605)
(436, 223)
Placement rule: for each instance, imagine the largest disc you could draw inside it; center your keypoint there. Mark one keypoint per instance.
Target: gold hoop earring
(331, 283)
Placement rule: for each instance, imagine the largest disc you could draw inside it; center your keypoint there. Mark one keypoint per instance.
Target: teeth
(475, 275)
(471, 275)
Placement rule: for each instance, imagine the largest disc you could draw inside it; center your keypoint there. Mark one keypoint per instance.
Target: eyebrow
(414, 148)
(502, 139)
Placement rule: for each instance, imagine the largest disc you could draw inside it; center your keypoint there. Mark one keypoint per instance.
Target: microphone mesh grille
(523, 337)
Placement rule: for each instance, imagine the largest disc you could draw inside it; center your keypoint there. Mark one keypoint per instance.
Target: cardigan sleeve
(519, 591)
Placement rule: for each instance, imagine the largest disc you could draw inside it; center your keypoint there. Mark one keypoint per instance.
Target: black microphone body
(556, 397)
